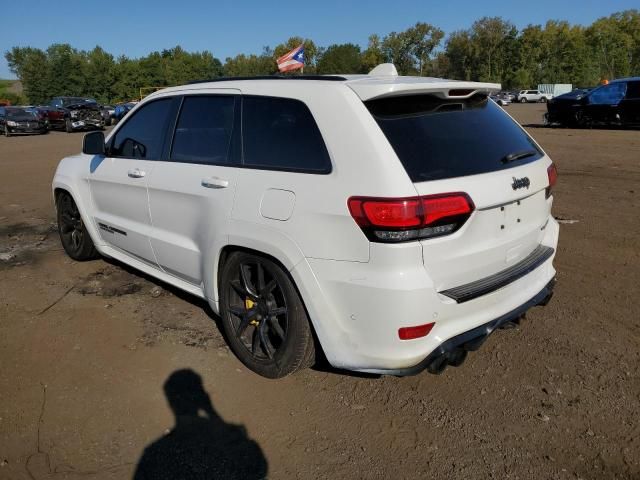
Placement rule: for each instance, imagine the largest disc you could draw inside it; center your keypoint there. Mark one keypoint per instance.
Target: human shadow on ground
(201, 445)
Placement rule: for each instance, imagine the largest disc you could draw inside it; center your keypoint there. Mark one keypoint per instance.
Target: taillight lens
(552, 173)
(413, 218)
(419, 331)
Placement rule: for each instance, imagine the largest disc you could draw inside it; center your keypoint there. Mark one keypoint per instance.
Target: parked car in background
(121, 110)
(617, 103)
(394, 222)
(501, 99)
(20, 121)
(41, 112)
(525, 96)
(75, 113)
(108, 112)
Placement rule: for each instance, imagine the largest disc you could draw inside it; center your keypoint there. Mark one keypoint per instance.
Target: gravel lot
(85, 349)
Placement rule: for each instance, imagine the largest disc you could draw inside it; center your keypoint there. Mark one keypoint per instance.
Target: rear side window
(281, 134)
(436, 138)
(143, 135)
(204, 129)
(633, 90)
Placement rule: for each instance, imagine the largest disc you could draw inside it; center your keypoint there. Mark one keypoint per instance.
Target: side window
(143, 135)
(609, 94)
(281, 134)
(633, 90)
(204, 129)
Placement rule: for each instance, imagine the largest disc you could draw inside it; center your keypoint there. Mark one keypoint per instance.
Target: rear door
(191, 191)
(471, 146)
(630, 105)
(118, 181)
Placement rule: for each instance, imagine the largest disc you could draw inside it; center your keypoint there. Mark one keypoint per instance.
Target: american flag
(292, 60)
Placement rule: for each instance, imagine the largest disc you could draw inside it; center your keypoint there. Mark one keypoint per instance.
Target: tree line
(491, 50)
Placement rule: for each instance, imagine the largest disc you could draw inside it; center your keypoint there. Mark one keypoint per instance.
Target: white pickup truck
(525, 96)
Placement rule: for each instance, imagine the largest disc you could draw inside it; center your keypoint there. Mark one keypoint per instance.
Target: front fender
(70, 176)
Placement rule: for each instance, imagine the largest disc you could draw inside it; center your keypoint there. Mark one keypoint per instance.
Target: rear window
(436, 138)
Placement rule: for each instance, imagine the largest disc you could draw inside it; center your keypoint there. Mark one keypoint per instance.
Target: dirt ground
(85, 349)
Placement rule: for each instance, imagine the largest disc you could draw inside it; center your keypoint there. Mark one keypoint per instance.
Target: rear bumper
(471, 340)
(357, 308)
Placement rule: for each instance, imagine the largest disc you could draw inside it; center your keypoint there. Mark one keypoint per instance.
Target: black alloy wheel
(263, 317)
(73, 233)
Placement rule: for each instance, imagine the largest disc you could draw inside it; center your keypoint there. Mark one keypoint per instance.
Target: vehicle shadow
(201, 445)
(322, 364)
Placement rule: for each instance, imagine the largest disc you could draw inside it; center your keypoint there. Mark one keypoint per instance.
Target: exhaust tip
(457, 357)
(438, 364)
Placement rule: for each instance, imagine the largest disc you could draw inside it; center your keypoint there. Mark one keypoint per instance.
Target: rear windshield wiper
(518, 155)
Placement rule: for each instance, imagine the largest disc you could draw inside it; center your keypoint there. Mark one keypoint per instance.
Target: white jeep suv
(391, 223)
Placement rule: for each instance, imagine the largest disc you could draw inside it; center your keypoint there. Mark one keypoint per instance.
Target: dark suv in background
(617, 103)
(75, 113)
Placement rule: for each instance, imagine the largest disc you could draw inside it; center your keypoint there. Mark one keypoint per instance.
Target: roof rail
(331, 78)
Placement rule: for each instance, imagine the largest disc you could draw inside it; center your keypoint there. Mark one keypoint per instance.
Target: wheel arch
(224, 254)
(63, 184)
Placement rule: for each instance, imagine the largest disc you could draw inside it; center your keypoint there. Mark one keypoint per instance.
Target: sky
(227, 28)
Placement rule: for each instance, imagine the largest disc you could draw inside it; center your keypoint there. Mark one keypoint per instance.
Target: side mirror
(93, 143)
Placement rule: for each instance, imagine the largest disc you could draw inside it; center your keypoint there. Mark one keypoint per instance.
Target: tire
(581, 120)
(74, 236)
(67, 125)
(543, 100)
(252, 289)
(523, 100)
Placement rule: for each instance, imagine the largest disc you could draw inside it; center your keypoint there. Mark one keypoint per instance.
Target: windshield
(436, 138)
(19, 113)
(76, 101)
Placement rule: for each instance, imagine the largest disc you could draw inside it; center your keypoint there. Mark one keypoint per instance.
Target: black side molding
(476, 289)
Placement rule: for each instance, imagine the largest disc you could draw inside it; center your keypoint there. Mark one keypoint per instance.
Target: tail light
(419, 331)
(552, 173)
(393, 220)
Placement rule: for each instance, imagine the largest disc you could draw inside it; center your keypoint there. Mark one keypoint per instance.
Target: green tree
(343, 58)
(99, 72)
(614, 45)
(373, 55)
(65, 72)
(423, 39)
(251, 65)
(31, 66)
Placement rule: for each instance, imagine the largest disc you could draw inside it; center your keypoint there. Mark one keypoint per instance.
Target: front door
(118, 181)
(191, 192)
(604, 102)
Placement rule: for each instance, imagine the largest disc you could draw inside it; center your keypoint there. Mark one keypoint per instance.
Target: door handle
(136, 173)
(214, 182)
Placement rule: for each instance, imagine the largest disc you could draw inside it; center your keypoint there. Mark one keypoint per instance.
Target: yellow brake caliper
(248, 303)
